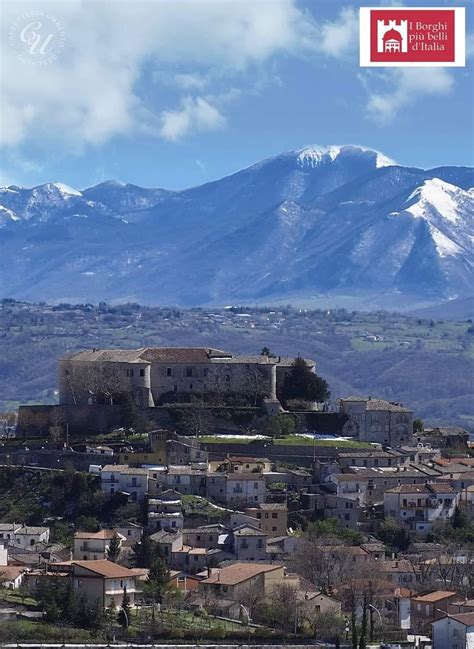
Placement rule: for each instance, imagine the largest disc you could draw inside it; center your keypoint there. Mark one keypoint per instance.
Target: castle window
(189, 371)
(168, 371)
(142, 372)
(190, 386)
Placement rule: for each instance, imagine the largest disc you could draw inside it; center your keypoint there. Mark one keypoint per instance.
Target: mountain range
(335, 222)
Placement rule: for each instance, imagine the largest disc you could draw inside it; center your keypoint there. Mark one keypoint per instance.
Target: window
(142, 372)
(189, 371)
(274, 515)
(190, 386)
(168, 371)
(255, 485)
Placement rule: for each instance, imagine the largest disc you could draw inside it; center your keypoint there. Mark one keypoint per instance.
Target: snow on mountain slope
(338, 218)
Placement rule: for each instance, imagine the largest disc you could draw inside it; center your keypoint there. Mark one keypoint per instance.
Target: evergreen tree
(302, 383)
(115, 548)
(156, 584)
(145, 552)
(124, 613)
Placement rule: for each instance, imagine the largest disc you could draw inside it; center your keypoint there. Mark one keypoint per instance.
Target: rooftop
(103, 535)
(123, 468)
(435, 596)
(107, 569)
(238, 572)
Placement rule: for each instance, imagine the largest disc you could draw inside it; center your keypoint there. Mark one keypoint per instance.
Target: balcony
(85, 548)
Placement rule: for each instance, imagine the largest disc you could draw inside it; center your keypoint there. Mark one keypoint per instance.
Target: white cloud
(341, 36)
(194, 115)
(95, 89)
(190, 81)
(403, 87)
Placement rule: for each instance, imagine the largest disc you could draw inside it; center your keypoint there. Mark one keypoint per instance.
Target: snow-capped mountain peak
(438, 194)
(66, 190)
(313, 156)
(316, 219)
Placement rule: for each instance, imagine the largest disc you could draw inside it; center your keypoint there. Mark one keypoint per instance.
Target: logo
(37, 37)
(412, 37)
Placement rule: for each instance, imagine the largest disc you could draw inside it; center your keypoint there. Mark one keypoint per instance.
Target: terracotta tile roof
(238, 572)
(108, 355)
(106, 569)
(102, 535)
(7, 573)
(435, 596)
(183, 354)
(464, 618)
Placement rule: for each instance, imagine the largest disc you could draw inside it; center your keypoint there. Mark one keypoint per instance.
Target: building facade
(376, 420)
(106, 375)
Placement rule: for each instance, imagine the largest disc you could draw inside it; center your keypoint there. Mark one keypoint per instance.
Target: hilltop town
(195, 493)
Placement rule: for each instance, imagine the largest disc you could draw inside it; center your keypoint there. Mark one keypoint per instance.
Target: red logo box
(414, 36)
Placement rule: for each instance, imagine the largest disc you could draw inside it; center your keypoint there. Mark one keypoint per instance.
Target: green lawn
(13, 597)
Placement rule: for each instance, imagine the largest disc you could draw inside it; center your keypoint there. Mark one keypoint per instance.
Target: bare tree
(255, 384)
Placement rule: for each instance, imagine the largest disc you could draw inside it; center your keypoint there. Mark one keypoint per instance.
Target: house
(346, 510)
(106, 581)
(206, 536)
(250, 543)
(8, 530)
(100, 450)
(183, 581)
(453, 631)
(271, 518)
(420, 505)
(377, 420)
(241, 464)
(313, 600)
(165, 512)
(132, 532)
(232, 582)
(147, 375)
(28, 536)
(236, 488)
(429, 607)
(11, 577)
(93, 546)
(183, 479)
(168, 543)
(125, 479)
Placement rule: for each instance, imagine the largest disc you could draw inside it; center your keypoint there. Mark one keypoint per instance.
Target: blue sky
(174, 94)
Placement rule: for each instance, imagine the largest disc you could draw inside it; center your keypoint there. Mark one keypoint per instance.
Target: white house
(28, 537)
(126, 479)
(454, 632)
(419, 505)
(93, 546)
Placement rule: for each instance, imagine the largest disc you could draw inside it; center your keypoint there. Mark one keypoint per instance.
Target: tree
(266, 352)
(418, 426)
(196, 419)
(115, 548)
(156, 583)
(124, 613)
(145, 552)
(254, 384)
(302, 383)
(280, 425)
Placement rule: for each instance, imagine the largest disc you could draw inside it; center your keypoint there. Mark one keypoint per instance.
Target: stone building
(106, 375)
(376, 420)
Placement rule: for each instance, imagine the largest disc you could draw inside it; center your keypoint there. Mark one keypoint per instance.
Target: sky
(175, 93)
